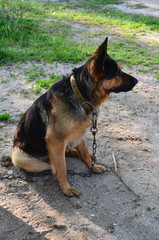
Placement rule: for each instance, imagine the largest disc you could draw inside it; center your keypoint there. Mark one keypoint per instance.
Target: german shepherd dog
(57, 121)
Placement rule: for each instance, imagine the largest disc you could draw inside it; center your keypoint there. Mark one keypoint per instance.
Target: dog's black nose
(135, 81)
(131, 82)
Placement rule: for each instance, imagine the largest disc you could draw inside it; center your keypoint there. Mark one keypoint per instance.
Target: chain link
(81, 174)
(94, 130)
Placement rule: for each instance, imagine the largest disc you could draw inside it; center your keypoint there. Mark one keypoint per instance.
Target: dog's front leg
(56, 150)
(85, 156)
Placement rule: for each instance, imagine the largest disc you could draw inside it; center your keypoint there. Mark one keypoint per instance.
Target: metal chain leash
(94, 131)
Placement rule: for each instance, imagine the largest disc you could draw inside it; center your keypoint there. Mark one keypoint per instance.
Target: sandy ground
(33, 207)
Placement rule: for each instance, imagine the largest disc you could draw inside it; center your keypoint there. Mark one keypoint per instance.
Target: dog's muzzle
(127, 85)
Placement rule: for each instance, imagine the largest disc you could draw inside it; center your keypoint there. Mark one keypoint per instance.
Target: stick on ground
(114, 161)
(120, 178)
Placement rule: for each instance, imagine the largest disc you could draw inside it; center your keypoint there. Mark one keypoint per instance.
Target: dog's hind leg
(28, 163)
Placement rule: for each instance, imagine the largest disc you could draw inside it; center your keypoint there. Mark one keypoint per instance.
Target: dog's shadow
(14, 228)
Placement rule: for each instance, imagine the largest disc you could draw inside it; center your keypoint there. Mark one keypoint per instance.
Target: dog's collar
(87, 106)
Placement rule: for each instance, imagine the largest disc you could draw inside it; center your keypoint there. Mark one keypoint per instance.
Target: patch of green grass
(4, 117)
(21, 115)
(25, 37)
(46, 46)
(9, 140)
(4, 80)
(133, 21)
(109, 16)
(129, 52)
(13, 75)
(15, 29)
(29, 30)
(33, 72)
(31, 77)
(142, 70)
(24, 92)
(31, 69)
(12, 121)
(45, 83)
(94, 4)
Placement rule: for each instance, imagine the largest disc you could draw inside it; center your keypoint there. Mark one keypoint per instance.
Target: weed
(139, 169)
(142, 70)
(21, 115)
(18, 65)
(13, 75)
(147, 186)
(10, 140)
(45, 83)
(4, 81)
(33, 72)
(24, 92)
(41, 72)
(12, 121)
(4, 117)
(32, 77)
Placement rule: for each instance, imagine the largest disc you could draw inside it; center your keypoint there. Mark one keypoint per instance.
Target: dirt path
(145, 7)
(34, 207)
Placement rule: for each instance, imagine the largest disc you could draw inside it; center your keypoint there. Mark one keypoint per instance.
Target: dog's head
(107, 74)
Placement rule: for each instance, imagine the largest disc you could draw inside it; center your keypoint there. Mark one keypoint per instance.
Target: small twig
(130, 189)
(114, 161)
(103, 148)
(120, 178)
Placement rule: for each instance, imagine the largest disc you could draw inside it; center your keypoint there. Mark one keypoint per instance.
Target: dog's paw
(72, 192)
(99, 169)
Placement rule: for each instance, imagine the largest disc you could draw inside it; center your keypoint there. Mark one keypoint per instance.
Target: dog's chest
(77, 132)
(74, 142)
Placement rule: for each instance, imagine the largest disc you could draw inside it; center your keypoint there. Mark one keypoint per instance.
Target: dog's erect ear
(95, 67)
(103, 46)
(101, 52)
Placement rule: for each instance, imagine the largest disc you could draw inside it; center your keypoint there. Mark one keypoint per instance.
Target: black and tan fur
(56, 123)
